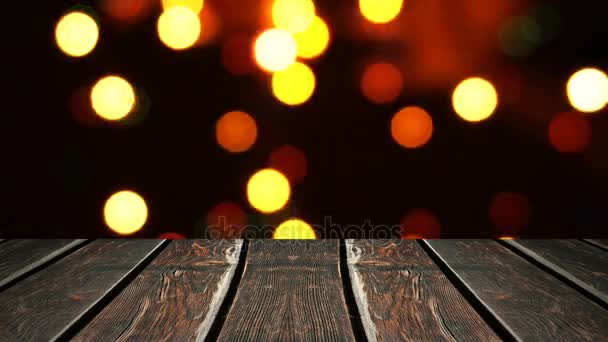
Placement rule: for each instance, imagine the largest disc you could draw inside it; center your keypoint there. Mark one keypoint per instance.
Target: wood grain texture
(403, 296)
(580, 263)
(44, 305)
(175, 298)
(290, 291)
(18, 257)
(601, 243)
(530, 303)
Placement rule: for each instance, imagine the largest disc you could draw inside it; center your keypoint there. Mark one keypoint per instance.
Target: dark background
(60, 171)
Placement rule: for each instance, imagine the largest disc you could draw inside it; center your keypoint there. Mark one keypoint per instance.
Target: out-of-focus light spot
(178, 27)
(313, 41)
(275, 50)
(268, 190)
(412, 127)
(381, 82)
(127, 10)
(420, 224)
(294, 229)
(171, 236)
(506, 237)
(569, 132)
(291, 161)
(587, 90)
(210, 25)
(226, 220)
(380, 11)
(475, 99)
(237, 55)
(125, 212)
(112, 98)
(236, 131)
(293, 15)
(294, 85)
(194, 5)
(76, 34)
(509, 212)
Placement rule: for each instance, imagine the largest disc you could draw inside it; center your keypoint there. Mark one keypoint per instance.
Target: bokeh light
(509, 212)
(381, 82)
(179, 27)
(194, 5)
(275, 50)
(291, 161)
(294, 229)
(412, 127)
(420, 223)
(380, 11)
(587, 90)
(506, 237)
(237, 55)
(76, 34)
(268, 190)
(226, 220)
(236, 131)
(125, 212)
(475, 99)
(112, 98)
(171, 236)
(127, 10)
(569, 132)
(294, 85)
(313, 41)
(293, 15)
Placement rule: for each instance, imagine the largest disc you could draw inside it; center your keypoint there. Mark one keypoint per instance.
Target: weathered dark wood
(46, 304)
(403, 296)
(532, 304)
(290, 291)
(175, 298)
(601, 243)
(17, 257)
(578, 262)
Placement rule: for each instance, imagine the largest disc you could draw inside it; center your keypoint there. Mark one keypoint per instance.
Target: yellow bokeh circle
(194, 5)
(293, 15)
(294, 85)
(275, 50)
(178, 27)
(313, 41)
(112, 98)
(76, 34)
(587, 90)
(294, 229)
(380, 11)
(125, 212)
(475, 99)
(268, 190)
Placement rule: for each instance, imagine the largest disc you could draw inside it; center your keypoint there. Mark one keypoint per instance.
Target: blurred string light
(76, 34)
(294, 229)
(127, 10)
(237, 56)
(313, 41)
(291, 161)
(475, 99)
(268, 190)
(293, 15)
(275, 50)
(380, 11)
(509, 212)
(381, 82)
(569, 132)
(112, 98)
(587, 90)
(236, 131)
(420, 223)
(194, 5)
(412, 127)
(171, 236)
(178, 27)
(125, 212)
(295, 85)
(226, 220)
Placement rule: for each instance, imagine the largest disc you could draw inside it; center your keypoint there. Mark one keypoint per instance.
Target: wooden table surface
(323, 290)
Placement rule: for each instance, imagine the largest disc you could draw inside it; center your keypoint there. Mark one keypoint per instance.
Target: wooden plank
(601, 243)
(18, 257)
(403, 296)
(578, 262)
(46, 304)
(290, 290)
(530, 303)
(174, 298)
